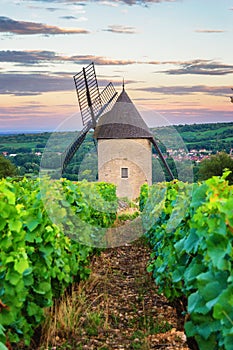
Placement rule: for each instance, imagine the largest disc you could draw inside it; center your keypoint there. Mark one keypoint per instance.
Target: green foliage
(128, 216)
(212, 136)
(215, 165)
(107, 191)
(37, 259)
(190, 228)
(6, 168)
(95, 203)
(143, 196)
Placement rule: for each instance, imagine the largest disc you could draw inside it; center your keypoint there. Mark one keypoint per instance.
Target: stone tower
(124, 148)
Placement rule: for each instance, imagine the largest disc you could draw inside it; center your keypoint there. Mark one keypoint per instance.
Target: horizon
(21, 132)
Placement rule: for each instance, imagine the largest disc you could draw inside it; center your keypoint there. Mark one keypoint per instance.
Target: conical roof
(123, 121)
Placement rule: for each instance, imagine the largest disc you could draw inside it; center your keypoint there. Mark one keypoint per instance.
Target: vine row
(45, 245)
(190, 229)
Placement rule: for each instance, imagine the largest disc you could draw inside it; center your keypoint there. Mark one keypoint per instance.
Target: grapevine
(37, 259)
(191, 236)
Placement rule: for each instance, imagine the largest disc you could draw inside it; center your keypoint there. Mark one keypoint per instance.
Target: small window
(124, 173)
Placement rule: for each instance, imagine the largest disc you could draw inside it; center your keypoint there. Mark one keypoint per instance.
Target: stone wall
(134, 154)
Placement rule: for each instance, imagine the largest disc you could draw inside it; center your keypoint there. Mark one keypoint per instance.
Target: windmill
(95, 106)
(92, 105)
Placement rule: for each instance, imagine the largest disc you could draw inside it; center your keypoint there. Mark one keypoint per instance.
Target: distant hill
(212, 136)
(24, 149)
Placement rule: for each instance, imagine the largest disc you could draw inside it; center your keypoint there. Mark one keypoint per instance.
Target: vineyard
(38, 260)
(49, 231)
(190, 229)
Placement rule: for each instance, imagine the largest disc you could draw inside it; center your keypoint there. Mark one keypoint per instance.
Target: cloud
(38, 57)
(147, 99)
(68, 17)
(144, 2)
(33, 84)
(36, 83)
(198, 66)
(209, 31)
(29, 57)
(32, 57)
(8, 25)
(82, 19)
(99, 60)
(112, 2)
(190, 116)
(20, 111)
(120, 29)
(42, 56)
(53, 9)
(188, 90)
(109, 3)
(78, 19)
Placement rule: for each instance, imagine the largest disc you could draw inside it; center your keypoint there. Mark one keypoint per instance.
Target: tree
(7, 168)
(215, 165)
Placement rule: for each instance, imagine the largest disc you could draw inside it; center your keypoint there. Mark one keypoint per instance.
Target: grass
(128, 216)
(74, 316)
(68, 314)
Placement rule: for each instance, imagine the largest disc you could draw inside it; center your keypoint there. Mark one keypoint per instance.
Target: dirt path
(120, 307)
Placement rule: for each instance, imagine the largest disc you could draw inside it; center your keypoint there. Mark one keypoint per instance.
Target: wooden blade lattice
(88, 94)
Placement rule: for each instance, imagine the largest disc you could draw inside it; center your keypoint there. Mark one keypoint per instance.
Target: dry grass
(70, 313)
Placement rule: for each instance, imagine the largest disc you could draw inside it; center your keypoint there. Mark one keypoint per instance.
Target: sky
(175, 57)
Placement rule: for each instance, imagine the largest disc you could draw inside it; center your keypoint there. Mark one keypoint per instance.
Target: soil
(121, 306)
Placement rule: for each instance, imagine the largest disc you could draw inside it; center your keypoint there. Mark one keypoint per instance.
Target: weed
(93, 322)
(67, 314)
(128, 216)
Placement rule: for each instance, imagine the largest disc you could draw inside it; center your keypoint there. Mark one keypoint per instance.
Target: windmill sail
(107, 97)
(74, 146)
(88, 94)
(92, 105)
(162, 158)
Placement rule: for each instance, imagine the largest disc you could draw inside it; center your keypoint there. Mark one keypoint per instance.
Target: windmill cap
(122, 121)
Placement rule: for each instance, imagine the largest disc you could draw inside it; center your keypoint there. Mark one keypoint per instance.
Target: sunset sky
(175, 56)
